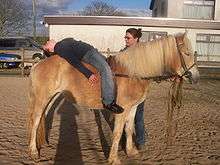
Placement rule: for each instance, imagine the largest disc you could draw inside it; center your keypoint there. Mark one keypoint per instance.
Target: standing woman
(132, 37)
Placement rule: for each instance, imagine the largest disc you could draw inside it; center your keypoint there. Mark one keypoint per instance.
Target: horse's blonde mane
(148, 58)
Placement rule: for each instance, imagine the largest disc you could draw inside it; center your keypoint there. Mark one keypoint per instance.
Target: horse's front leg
(118, 129)
(131, 150)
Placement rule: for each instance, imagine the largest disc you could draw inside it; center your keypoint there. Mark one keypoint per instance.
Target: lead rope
(174, 105)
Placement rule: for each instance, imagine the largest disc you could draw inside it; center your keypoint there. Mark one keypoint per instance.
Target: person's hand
(93, 79)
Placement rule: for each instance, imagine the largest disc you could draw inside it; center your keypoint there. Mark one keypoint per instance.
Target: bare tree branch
(13, 17)
(99, 8)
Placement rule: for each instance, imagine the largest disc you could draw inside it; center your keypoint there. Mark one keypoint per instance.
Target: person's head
(132, 36)
(49, 46)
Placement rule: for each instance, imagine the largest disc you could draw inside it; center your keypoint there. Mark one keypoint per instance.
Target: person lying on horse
(75, 52)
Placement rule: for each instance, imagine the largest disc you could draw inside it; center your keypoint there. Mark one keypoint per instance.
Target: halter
(187, 73)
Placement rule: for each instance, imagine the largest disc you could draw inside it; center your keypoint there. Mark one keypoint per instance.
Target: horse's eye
(185, 51)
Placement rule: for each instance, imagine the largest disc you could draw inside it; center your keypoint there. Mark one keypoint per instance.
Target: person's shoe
(113, 107)
(141, 147)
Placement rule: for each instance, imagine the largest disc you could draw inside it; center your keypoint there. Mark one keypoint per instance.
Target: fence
(24, 63)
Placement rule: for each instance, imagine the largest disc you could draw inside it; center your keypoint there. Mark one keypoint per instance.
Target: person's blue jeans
(97, 60)
(139, 124)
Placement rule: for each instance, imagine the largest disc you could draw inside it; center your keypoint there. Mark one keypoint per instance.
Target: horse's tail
(41, 133)
(31, 101)
(43, 127)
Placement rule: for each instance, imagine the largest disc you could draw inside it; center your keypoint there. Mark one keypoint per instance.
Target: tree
(97, 8)
(13, 17)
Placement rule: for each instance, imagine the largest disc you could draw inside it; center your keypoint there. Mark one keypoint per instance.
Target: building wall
(175, 9)
(160, 8)
(170, 8)
(217, 10)
(101, 37)
(112, 37)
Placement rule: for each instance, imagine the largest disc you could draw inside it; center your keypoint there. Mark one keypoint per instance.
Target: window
(199, 9)
(163, 9)
(208, 47)
(160, 10)
(151, 35)
(154, 13)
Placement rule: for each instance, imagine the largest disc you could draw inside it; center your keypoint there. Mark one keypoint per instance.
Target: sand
(84, 136)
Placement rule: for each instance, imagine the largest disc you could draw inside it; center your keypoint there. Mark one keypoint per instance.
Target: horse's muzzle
(193, 75)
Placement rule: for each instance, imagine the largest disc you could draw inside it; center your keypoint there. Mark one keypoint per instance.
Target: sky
(62, 6)
(124, 4)
(56, 7)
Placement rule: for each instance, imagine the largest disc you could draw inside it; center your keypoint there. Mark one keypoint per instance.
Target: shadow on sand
(68, 150)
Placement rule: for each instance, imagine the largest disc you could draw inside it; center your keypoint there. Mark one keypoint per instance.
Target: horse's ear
(185, 33)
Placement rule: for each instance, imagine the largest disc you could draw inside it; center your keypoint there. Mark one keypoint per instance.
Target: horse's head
(188, 68)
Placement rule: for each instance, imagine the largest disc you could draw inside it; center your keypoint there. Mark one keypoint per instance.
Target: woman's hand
(93, 79)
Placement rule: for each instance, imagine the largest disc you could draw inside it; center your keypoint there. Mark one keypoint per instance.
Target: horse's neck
(149, 59)
(121, 72)
(116, 67)
(170, 55)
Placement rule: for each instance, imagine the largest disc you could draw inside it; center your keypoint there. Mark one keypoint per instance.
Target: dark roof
(132, 21)
(152, 4)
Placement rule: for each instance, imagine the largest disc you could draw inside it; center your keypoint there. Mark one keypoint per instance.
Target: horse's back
(47, 66)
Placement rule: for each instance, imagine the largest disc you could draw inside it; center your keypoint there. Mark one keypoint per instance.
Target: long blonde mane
(148, 58)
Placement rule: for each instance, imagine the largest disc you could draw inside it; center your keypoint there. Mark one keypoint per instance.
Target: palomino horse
(171, 55)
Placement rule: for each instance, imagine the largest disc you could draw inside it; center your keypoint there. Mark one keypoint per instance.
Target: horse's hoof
(132, 152)
(114, 161)
(34, 154)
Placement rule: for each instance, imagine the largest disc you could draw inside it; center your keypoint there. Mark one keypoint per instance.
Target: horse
(170, 56)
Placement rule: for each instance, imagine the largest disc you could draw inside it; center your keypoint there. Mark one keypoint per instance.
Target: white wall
(101, 37)
(217, 9)
(112, 37)
(175, 9)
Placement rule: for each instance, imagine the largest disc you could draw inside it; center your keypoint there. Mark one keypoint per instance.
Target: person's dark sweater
(73, 51)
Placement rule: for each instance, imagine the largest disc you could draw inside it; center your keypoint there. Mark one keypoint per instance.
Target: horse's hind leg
(118, 129)
(36, 117)
(129, 129)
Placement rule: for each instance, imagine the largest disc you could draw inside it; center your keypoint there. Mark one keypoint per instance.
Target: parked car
(10, 47)
(9, 57)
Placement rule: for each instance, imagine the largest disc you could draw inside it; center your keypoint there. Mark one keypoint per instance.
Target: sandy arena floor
(84, 137)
